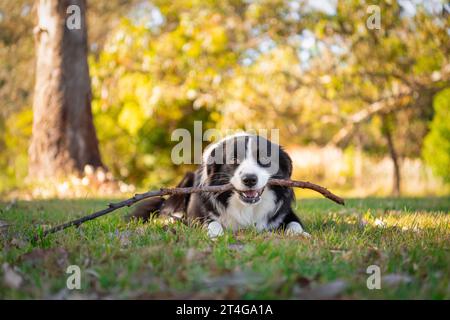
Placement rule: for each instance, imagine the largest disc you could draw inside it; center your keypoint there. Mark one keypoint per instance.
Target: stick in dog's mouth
(171, 191)
(250, 196)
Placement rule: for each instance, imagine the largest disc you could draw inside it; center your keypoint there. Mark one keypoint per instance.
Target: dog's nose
(250, 180)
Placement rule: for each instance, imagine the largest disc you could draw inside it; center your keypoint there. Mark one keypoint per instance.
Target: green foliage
(160, 65)
(146, 85)
(17, 20)
(437, 143)
(16, 83)
(13, 149)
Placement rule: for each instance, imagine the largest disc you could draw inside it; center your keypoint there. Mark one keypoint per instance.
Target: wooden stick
(308, 185)
(172, 191)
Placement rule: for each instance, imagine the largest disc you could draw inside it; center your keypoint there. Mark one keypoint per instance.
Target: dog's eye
(264, 161)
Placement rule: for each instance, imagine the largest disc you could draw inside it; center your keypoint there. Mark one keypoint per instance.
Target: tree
(437, 143)
(389, 75)
(323, 77)
(63, 138)
(17, 75)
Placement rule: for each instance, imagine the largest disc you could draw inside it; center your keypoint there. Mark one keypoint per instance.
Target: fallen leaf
(58, 256)
(60, 295)
(4, 224)
(19, 243)
(193, 254)
(232, 279)
(395, 279)
(236, 246)
(79, 296)
(11, 278)
(326, 291)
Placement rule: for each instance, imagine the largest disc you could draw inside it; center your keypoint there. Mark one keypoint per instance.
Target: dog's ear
(212, 165)
(285, 162)
(209, 163)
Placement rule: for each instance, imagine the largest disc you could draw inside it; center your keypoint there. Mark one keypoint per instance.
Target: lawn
(409, 239)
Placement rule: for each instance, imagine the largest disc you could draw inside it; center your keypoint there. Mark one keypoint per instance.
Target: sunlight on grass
(172, 260)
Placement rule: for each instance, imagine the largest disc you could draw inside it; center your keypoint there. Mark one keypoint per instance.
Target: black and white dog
(247, 162)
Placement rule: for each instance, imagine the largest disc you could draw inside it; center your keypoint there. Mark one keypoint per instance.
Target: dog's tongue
(251, 193)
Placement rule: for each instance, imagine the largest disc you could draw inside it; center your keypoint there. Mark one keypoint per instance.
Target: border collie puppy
(247, 162)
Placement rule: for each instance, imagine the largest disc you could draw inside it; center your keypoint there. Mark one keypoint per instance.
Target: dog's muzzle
(250, 196)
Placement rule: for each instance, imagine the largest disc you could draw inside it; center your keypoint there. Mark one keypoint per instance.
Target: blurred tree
(154, 77)
(17, 75)
(319, 75)
(312, 69)
(16, 81)
(387, 77)
(437, 143)
(63, 139)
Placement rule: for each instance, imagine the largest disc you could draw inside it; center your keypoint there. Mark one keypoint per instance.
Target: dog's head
(247, 162)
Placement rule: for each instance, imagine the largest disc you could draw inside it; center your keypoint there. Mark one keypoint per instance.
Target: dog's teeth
(251, 193)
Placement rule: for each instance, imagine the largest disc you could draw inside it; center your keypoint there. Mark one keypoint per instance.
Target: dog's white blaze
(239, 215)
(249, 166)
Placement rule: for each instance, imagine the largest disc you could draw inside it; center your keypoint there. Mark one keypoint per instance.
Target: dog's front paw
(295, 229)
(215, 229)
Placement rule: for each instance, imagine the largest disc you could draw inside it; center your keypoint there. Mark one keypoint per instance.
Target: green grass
(410, 240)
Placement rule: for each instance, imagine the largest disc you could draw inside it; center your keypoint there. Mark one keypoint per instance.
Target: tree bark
(396, 190)
(64, 140)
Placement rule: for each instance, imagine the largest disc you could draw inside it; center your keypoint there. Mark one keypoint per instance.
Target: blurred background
(360, 90)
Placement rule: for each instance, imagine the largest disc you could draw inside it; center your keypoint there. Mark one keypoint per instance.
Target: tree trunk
(64, 139)
(396, 191)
